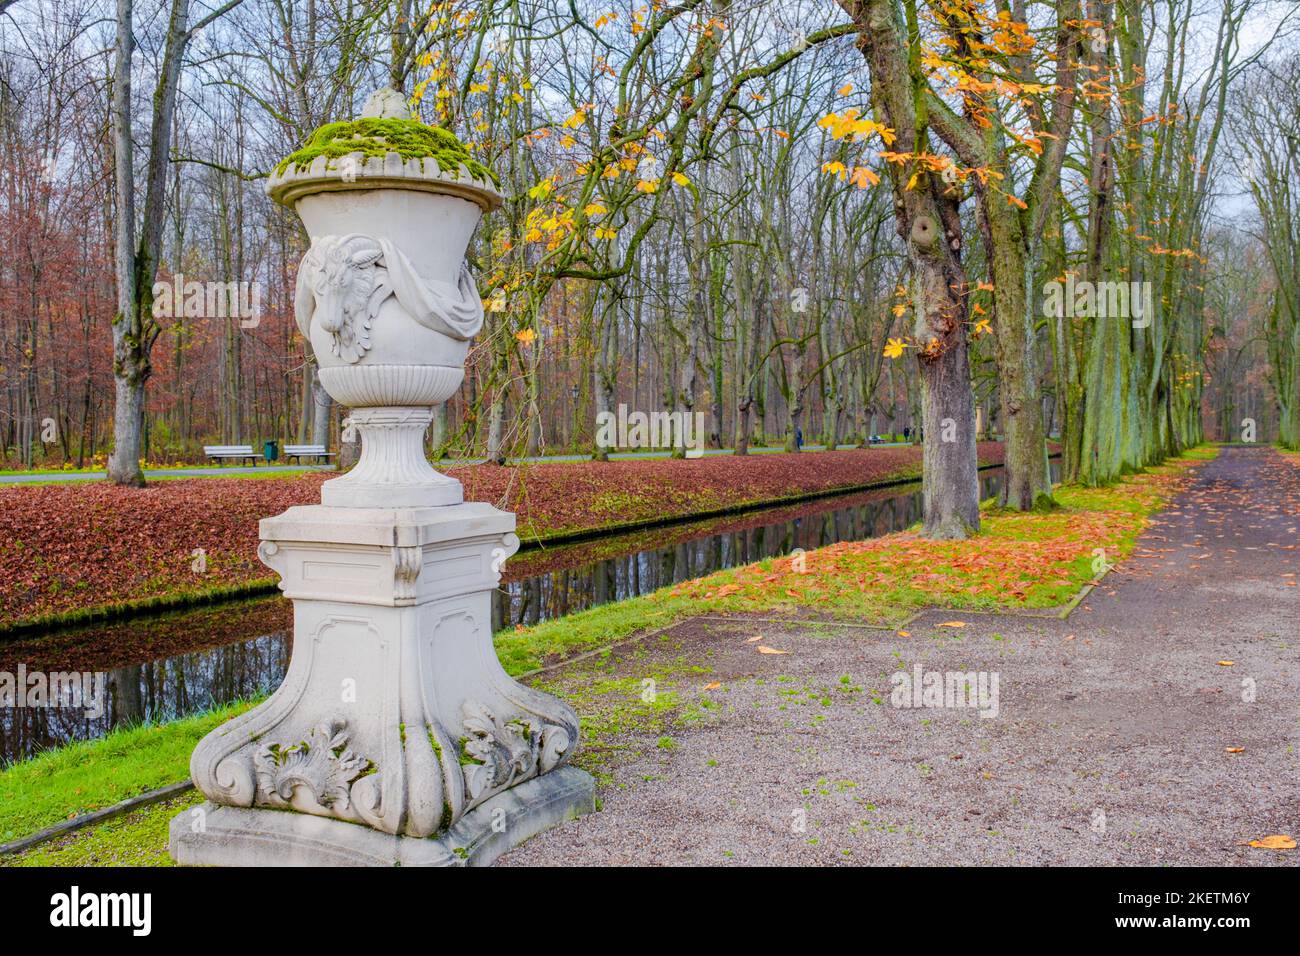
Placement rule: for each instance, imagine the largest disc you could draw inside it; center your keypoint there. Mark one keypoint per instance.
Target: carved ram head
(339, 273)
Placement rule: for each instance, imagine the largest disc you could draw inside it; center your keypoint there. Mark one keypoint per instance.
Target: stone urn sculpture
(384, 293)
(396, 737)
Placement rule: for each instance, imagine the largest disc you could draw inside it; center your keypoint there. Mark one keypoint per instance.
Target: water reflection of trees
(155, 691)
(565, 591)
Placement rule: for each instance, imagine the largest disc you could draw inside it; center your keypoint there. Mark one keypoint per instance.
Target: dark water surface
(169, 666)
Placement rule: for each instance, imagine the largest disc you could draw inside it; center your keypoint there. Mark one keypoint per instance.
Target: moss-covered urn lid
(384, 149)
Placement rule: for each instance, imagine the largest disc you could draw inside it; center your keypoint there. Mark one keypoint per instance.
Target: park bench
(237, 452)
(306, 451)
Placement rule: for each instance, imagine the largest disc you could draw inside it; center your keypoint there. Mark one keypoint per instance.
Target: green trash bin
(271, 450)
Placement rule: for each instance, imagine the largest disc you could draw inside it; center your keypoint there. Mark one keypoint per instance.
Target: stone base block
(236, 836)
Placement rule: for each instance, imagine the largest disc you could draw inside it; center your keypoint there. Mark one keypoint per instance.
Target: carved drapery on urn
(343, 280)
(344, 284)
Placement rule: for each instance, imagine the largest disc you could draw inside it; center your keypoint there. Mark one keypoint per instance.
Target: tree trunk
(1026, 480)
(136, 258)
(322, 408)
(928, 220)
(128, 367)
(795, 393)
(349, 443)
(606, 378)
(496, 424)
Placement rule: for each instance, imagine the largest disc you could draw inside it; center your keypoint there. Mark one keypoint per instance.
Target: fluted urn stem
(393, 471)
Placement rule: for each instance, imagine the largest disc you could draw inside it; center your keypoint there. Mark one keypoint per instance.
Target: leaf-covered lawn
(1018, 560)
(69, 548)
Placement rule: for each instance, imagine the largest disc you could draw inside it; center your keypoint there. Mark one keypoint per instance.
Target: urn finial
(385, 103)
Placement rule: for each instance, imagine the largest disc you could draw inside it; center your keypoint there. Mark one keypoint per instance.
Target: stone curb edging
(96, 816)
(1084, 591)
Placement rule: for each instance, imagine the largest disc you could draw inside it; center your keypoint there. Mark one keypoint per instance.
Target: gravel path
(1110, 744)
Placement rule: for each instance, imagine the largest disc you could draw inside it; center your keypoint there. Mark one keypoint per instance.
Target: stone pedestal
(396, 737)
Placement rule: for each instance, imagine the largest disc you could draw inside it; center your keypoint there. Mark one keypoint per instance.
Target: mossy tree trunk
(136, 251)
(1014, 271)
(1013, 237)
(927, 218)
(1108, 349)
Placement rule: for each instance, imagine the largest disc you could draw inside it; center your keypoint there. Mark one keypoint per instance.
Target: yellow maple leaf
(680, 179)
(1278, 841)
(863, 177)
(894, 348)
(526, 336)
(840, 125)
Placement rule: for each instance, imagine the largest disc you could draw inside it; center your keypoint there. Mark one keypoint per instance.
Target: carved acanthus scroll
(322, 764)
